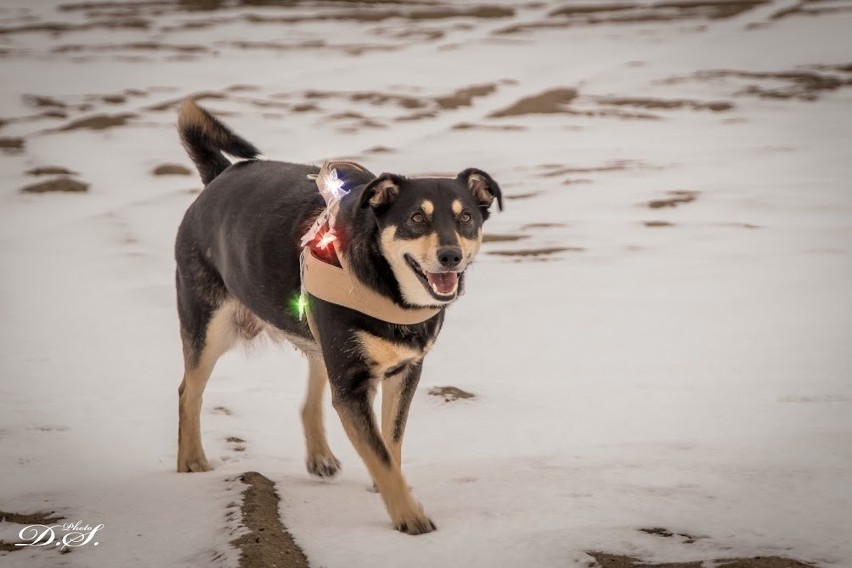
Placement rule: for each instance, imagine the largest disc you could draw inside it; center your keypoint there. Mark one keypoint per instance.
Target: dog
(406, 241)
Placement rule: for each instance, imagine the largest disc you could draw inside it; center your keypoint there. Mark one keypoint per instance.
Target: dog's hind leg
(397, 392)
(320, 461)
(359, 422)
(201, 351)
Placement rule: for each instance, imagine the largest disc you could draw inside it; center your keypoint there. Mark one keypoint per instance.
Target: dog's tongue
(443, 283)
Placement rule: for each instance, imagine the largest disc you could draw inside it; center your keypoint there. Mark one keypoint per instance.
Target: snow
(693, 377)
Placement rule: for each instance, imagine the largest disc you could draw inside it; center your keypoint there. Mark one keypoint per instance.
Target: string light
(334, 185)
(299, 305)
(331, 188)
(328, 238)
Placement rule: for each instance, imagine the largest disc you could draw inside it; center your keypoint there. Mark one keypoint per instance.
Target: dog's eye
(466, 217)
(417, 218)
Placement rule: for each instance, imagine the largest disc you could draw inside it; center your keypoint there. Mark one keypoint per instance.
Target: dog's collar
(339, 286)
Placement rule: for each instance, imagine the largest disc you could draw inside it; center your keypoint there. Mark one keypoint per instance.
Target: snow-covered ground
(640, 358)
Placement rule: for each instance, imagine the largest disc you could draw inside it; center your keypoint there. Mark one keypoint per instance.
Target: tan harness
(338, 285)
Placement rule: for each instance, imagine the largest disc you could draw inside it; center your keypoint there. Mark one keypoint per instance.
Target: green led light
(298, 305)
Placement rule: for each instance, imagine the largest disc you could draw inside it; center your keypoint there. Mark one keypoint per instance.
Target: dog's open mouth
(442, 285)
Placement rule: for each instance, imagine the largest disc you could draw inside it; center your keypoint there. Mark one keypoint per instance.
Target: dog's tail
(205, 138)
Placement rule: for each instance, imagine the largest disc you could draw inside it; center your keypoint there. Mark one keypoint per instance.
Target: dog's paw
(412, 520)
(323, 466)
(416, 526)
(194, 465)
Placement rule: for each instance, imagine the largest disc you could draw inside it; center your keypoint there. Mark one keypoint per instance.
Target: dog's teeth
(435, 289)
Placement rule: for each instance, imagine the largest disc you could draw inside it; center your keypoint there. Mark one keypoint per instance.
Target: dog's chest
(386, 356)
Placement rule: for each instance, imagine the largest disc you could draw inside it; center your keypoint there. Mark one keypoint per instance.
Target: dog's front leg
(352, 403)
(397, 393)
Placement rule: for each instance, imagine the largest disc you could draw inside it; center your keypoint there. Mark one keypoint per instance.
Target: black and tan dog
(238, 273)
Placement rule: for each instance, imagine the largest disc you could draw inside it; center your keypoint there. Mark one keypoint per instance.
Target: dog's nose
(449, 257)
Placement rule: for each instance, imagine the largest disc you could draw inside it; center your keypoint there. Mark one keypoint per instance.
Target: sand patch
(464, 97)
(539, 252)
(527, 195)
(267, 542)
(806, 84)
(548, 102)
(380, 150)
(811, 8)
(625, 13)
(665, 104)
(57, 28)
(40, 518)
(98, 122)
(658, 224)
(171, 170)
(450, 393)
(496, 238)
(12, 145)
(40, 101)
(542, 226)
(498, 127)
(678, 197)
(134, 46)
(59, 185)
(222, 410)
(49, 170)
(606, 560)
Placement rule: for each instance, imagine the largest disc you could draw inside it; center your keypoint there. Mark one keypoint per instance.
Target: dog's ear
(483, 188)
(381, 192)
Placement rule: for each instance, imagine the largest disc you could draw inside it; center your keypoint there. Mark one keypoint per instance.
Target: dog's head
(430, 229)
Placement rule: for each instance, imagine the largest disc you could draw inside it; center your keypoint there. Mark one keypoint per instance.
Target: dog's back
(246, 221)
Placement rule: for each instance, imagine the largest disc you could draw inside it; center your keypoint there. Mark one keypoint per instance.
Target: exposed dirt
(41, 517)
(380, 150)
(49, 170)
(12, 145)
(39, 101)
(99, 122)
(556, 170)
(56, 28)
(267, 542)
(494, 238)
(805, 84)
(464, 97)
(806, 8)
(171, 170)
(450, 393)
(503, 127)
(369, 16)
(665, 533)
(658, 224)
(678, 197)
(666, 104)
(542, 226)
(236, 444)
(548, 102)
(589, 14)
(606, 560)
(547, 251)
(527, 195)
(135, 46)
(62, 185)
